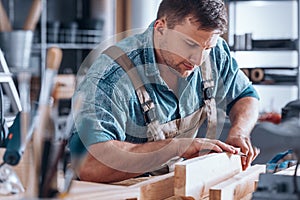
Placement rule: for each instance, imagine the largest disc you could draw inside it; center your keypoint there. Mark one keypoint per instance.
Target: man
(144, 100)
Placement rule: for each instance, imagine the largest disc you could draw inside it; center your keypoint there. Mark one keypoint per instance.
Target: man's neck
(169, 77)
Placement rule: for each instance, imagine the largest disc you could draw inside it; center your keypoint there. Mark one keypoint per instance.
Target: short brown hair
(210, 14)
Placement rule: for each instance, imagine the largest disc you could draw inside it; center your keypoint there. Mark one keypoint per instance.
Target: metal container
(16, 46)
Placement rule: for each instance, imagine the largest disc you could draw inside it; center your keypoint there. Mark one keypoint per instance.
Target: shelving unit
(64, 12)
(274, 29)
(77, 48)
(86, 14)
(91, 37)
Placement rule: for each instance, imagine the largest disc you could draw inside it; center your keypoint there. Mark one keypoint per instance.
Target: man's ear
(160, 25)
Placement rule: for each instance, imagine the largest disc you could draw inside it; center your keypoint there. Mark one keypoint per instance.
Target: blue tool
(14, 150)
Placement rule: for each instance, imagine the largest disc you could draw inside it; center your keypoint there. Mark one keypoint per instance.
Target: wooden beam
(289, 171)
(195, 176)
(239, 186)
(64, 86)
(180, 198)
(87, 190)
(155, 187)
(160, 187)
(123, 15)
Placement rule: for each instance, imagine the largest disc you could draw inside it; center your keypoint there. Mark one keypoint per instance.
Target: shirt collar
(151, 68)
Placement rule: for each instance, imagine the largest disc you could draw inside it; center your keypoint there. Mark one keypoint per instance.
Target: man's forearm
(243, 116)
(116, 160)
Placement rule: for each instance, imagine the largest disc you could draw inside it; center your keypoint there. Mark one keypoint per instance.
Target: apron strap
(209, 100)
(120, 57)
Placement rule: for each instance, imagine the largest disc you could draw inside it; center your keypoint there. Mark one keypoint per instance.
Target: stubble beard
(173, 67)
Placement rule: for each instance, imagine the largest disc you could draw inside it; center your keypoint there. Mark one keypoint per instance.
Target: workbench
(213, 176)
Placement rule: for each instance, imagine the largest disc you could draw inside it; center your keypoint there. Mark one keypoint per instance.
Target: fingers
(202, 146)
(226, 147)
(251, 152)
(208, 145)
(244, 143)
(216, 146)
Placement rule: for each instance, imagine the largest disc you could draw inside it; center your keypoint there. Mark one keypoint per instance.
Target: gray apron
(180, 128)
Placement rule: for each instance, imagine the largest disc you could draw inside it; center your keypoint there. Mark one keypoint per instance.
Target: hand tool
(34, 15)
(241, 154)
(54, 57)
(14, 152)
(48, 188)
(70, 173)
(5, 25)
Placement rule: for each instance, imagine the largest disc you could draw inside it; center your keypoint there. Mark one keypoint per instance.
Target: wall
(143, 12)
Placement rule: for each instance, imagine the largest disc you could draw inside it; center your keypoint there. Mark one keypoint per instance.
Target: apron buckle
(150, 115)
(208, 93)
(149, 111)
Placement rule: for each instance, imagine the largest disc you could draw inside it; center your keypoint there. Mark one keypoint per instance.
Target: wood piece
(194, 177)
(64, 86)
(86, 190)
(289, 171)
(238, 186)
(131, 181)
(248, 197)
(54, 57)
(123, 17)
(5, 25)
(180, 198)
(159, 187)
(33, 16)
(155, 187)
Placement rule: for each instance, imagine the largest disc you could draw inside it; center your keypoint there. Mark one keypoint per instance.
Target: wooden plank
(239, 186)
(195, 176)
(248, 197)
(64, 86)
(180, 198)
(160, 187)
(87, 190)
(5, 25)
(123, 17)
(155, 187)
(289, 171)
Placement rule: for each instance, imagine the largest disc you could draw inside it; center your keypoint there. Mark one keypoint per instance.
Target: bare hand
(189, 148)
(244, 143)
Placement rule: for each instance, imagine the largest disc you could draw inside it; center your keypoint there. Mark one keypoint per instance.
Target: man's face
(184, 47)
